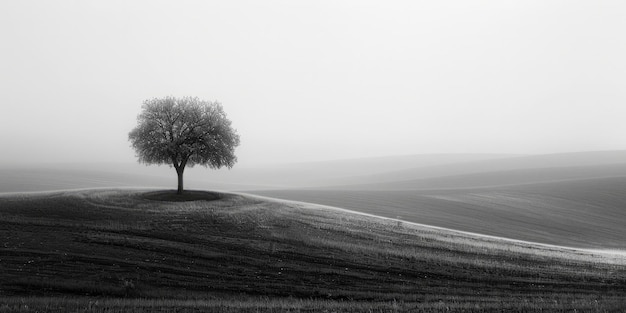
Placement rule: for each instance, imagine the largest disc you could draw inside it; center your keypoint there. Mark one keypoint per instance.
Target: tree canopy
(184, 132)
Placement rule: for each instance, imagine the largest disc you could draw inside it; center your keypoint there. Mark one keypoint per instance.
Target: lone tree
(184, 132)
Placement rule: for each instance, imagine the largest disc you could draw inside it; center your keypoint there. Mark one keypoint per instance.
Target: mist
(314, 81)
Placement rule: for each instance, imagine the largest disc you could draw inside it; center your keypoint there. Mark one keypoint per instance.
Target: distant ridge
(508, 170)
(41, 177)
(495, 179)
(392, 172)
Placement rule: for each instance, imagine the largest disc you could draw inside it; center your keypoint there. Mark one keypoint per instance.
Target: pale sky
(316, 80)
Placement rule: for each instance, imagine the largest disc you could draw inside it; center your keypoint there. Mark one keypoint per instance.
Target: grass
(442, 304)
(117, 251)
(585, 213)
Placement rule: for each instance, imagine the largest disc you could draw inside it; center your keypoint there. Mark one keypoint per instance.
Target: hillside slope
(585, 213)
(118, 243)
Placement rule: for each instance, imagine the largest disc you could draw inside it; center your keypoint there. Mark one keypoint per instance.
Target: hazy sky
(315, 80)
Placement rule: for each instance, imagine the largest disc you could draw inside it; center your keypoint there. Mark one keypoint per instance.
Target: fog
(316, 80)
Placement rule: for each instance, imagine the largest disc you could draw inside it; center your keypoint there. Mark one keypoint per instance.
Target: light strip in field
(617, 254)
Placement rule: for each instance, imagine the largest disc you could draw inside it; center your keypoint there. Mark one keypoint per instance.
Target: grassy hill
(129, 250)
(585, 213)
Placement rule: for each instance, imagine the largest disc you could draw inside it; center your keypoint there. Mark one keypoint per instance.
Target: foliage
(184, 132)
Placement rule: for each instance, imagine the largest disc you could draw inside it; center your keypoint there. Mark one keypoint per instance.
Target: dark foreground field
(127, 251)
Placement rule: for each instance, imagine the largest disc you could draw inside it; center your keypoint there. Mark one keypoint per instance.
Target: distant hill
(496, 171)
(494, 179)
(42, 177)
(324, 173)
(428, 171)
(48, 177)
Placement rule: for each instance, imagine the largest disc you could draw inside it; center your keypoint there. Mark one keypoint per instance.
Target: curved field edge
(616, 256)
(115, 243)
(582, 213)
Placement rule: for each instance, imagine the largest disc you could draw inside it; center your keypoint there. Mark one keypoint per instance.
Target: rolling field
(121, 250)
(490, 179)
(581, 213)
(411, 172)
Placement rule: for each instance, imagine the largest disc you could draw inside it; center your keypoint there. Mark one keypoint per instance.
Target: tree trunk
(180, 169)
(180, 180)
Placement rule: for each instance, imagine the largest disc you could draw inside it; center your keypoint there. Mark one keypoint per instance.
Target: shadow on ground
(187, 195)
